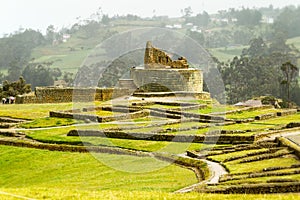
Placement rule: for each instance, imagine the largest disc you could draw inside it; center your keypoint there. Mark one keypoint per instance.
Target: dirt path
(216, 171)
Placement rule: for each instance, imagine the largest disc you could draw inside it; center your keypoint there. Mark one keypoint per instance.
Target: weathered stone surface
(61, 95)
(156, 58)
(161, 74)
(287, 112)
(166, 80)
(223, 139)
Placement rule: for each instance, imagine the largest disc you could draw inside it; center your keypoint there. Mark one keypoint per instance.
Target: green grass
(49, 122)
(35, 111)
(213, 109)
(65, 60)
(250, 114)
(184, 125)
(263, 179)
(225, 54)
(59, 136)
(23, 168)
(295, 41)
(55, 193)
(235, 167)
(281, 120)
(223, 157)
(31, 111)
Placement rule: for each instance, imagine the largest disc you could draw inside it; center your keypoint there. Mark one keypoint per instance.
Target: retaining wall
(267, 188)
(95, 118)
(62, 95)
(165, 80)
(291, 145)
(223, 139)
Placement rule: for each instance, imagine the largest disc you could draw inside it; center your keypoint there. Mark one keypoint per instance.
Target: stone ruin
(161, 74)
(157, 59)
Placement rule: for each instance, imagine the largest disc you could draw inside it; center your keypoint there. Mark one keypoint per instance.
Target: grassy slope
(31, 111)
(53, 193)
(226, 54)
(79, 176)
(29, 169)
(69, 56)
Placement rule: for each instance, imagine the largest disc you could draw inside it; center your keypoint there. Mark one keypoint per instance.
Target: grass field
(54, 193)
(46, 174)
(31, 111)
(82, 171)
(226, 54)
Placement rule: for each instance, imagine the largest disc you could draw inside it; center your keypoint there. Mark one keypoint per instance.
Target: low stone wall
(265, 116)
(95, 118)
(291, 145)
(267, 188)
(223, 139)
(287, 112)
(253, 108)
(293, 125)
(208, 118)
(11, 120)
(62, 95)
(196, 95)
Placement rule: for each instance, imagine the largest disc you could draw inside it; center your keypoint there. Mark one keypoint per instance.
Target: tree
(15, 51)
(187, 12)
(288, 22)
(14, 70)
(257, 71)
(199, 37)
(105, 19)
(40, 74)
(68, 78)
(202, 19)
(15, 88)
(248, 17)
(289, 71)
(50, 34)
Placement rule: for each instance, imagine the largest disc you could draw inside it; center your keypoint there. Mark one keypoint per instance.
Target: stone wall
(95, 118)
(290, 144)
(166, 80)
(155, 58)
(267, 188)
(61, 95)
(223, 139)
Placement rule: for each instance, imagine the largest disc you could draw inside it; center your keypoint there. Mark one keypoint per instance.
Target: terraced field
(168, 143)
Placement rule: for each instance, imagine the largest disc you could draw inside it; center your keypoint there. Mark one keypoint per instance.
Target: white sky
(38, 14)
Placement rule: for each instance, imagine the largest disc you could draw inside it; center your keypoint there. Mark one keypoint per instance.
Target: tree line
(262, 69)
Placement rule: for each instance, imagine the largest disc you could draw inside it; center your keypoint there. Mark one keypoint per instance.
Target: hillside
(70, 55)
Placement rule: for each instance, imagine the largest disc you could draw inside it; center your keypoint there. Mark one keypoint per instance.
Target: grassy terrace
(59, 136)
(81, 176)
(250, 114)
(236, 167)
(49, 122)
(263, 179)
(36, 111)
(57, 193)
(213, 109)
(31, 111)
(254, 170)
(30, 169)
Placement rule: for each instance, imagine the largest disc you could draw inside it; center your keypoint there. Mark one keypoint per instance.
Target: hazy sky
(38, 14)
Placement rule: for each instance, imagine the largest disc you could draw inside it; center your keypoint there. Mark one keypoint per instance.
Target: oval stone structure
(161, 73)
